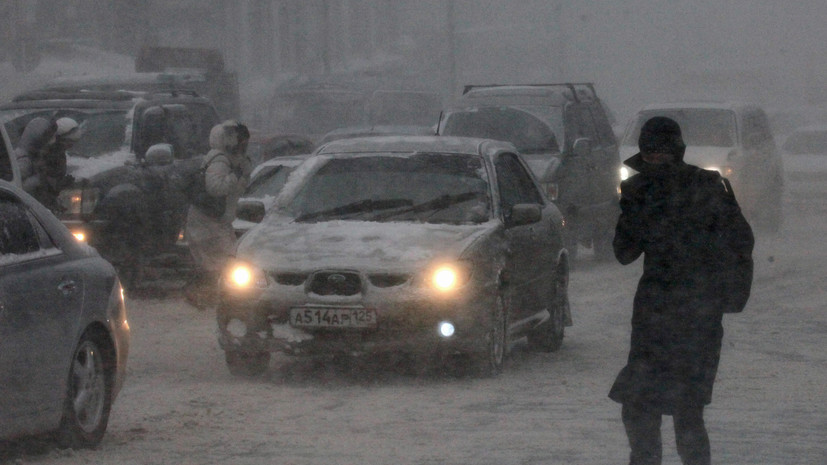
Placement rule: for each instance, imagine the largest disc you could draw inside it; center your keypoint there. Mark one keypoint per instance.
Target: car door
(529, 246)
(579, 182)
(40, 300)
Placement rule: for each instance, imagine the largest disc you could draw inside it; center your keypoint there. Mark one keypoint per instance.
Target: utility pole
(452, 53)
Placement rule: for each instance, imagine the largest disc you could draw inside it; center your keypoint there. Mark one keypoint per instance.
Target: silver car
(64, 335)
(429, 246)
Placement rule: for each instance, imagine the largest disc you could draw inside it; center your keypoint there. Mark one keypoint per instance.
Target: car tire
(246, 364)
(548, 337)
(490, 362)
(88, 393)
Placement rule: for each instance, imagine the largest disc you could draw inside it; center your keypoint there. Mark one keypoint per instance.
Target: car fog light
(446, 329)
(237, 328)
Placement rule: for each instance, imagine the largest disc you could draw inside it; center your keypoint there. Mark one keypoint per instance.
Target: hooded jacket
(697, 265)
(226, 174)
(37, 135)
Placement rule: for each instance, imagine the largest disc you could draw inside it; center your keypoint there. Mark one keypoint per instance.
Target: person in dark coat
(697, 250)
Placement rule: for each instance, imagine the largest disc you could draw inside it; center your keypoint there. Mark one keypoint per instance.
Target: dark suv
(563, 133)
(124, 203)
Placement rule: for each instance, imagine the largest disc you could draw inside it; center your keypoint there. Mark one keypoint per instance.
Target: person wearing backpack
(209, 226)
(697, 266)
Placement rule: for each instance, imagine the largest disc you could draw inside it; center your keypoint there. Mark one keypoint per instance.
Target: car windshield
(268, 181)
(802, 142)
(103, 131)
(422, 187)
(699, 126)
(528, 133)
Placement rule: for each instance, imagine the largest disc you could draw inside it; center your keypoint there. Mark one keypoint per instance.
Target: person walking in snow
(697, 250)
(209, 227)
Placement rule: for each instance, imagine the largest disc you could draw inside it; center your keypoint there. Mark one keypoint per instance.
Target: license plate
(324, 317)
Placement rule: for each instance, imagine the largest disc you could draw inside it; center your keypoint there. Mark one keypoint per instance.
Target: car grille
(388, 280)
(290, 279)
(335, 283)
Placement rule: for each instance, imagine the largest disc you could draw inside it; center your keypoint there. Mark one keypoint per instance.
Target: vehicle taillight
(78, 201)
(551, 190)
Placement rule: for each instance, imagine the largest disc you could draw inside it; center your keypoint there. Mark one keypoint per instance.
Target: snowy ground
(180, 405)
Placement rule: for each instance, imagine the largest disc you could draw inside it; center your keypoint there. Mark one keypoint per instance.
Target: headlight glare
(449, 276)
(241, 275)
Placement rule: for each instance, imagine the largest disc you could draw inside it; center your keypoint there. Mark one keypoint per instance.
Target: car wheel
(490, 362)
(88, 395)
(246, 364)
(548, 337)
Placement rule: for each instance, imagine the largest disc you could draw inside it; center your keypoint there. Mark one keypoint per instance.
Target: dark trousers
(643, 429)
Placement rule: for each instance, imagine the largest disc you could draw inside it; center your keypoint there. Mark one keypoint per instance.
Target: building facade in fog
(635, 51)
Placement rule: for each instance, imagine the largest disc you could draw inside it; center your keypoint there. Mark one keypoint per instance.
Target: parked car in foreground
(564, 134)
(422, 245)
(732, 138)
(805, 160)
(266, 182)
(64, 336)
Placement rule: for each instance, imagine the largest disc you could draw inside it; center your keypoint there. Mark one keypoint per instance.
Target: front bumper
(407, 321)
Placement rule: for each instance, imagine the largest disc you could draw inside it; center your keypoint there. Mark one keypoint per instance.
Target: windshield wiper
(360, 206)
(436, 204)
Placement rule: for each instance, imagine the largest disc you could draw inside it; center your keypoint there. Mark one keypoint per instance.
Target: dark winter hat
(661, 135)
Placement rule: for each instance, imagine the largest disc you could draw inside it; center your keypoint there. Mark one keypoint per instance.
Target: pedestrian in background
(209, 227)
(697, 250)
(38, 134)
(49, 173)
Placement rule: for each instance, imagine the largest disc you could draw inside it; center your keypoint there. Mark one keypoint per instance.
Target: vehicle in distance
(733, 138)
(124, 203)
(428, 246)
(564, 134)
(805, 160)
(64, 336)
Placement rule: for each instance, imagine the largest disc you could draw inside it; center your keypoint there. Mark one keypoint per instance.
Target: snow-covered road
(181, 406)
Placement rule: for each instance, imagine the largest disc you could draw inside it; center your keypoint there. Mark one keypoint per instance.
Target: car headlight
(78, 201)
(625, 172)
(725, 171)
(242, 276)
(447, 277)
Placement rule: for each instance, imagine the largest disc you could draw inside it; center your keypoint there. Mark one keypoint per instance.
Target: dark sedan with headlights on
(64, 336)
(433, 247)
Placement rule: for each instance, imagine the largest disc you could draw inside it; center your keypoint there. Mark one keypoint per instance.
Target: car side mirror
(159, 155)
(525, 213)
(250, 210)
(582, 147)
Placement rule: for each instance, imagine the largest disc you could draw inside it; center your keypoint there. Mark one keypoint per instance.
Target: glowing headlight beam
(445, 278)
(244, 276)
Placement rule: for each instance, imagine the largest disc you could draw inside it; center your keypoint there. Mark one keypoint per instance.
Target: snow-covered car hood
(87, 168)
(277, 243)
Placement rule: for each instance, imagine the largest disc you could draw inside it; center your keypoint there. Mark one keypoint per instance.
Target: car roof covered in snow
(411, 144)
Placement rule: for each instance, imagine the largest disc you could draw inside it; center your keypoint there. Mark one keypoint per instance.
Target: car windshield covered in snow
(423, 187)
(699, 126)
